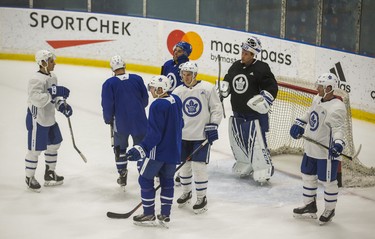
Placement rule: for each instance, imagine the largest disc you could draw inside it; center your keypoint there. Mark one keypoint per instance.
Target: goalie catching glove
(136, 153)
(297, 129)
(211, 132)
(261, 103)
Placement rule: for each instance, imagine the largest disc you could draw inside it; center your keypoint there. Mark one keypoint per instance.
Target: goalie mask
(253, 45)
(117, 62)
(44, 55)
(160, 82)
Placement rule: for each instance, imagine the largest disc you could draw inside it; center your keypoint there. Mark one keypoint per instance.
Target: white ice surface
(238, 208)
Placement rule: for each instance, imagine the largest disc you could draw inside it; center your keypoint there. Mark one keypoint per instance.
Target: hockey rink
(237, 208)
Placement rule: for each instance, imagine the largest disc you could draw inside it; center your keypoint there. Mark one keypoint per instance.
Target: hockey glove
(109, 121)
(337, 148)
(222, 89)
(297, 129)
(211, 132)
(66, 110)
(58, 91)
(136, 153)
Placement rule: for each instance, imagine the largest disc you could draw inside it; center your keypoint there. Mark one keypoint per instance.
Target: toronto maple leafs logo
(192, 106)
(314, 121)
(173, 79)
(240, 84)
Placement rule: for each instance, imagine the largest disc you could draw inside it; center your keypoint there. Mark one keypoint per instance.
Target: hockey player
(202, 114)
(323, 122)
(253, 88)
(124, 98)
(171, 68)
(44, 96)
(159, 152)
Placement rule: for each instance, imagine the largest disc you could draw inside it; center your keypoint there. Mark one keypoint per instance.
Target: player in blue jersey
(171, 68)
(159, 152)
(202, 112)
(124, 98)
(44, 97)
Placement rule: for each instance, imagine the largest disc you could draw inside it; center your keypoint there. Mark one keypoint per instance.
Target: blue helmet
(186, 47)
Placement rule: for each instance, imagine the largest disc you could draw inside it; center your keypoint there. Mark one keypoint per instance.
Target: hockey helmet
(117, 62)
(43, 55)
(253, 45)
(185, 46)
(160, 81)
(189, 66)
(327, 79)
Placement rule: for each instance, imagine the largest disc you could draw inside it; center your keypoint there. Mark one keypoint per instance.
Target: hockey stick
(218, 84)
(112, 137)
(115, 215)
(326, 147)
(71, 133)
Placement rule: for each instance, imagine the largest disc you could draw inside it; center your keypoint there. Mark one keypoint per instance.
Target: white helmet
(160, 81)
(327, 79)
(189, 66)
(253, 45)
(43, 55)
(117, 62)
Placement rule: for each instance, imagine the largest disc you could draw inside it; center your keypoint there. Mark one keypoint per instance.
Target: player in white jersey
(44, 96)
(202, 114)
(323, 122)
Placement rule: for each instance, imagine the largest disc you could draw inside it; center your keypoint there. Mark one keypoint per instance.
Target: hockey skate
(144, 220)
(200, 206)
(51, 178)
(184, 199)
(33, 184)
(123, 178)
(326, 216)
(164, 220)
(306, 212)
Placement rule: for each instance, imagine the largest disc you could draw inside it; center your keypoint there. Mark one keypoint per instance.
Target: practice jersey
(171, 69)
(164, 130)
(200, 105)
(247, 81)
(40, 102)
(124, 98)
(325, 121)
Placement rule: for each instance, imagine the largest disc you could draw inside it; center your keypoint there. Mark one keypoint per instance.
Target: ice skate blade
(201, 210)
(182, 205)
(52, 183)
(152, 224)
(305, 216)
(323, 223)
(34, 190)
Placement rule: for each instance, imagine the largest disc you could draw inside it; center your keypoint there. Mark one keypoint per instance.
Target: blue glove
(297, 129)
(136, 153)
(66, 110)
(211, 132)
(58, 91)
(337, 148)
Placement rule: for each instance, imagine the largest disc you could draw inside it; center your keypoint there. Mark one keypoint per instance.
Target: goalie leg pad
(260, 155)
(238, 136)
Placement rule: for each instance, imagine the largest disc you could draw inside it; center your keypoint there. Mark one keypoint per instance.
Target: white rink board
(144, 41)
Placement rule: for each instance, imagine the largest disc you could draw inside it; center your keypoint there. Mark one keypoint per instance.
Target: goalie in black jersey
(253, 88)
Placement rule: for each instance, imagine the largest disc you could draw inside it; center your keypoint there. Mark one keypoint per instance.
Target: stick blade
(83, 157)
(115, 215)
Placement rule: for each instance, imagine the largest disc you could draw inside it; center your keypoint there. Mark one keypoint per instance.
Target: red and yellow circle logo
(191, 37)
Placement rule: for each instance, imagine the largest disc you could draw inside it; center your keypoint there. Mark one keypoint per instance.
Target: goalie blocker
(249, 149)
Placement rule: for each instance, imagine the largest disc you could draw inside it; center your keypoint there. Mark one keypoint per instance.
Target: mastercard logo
(191, 37)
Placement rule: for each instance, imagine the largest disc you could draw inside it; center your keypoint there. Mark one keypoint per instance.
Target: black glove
(66, 110)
